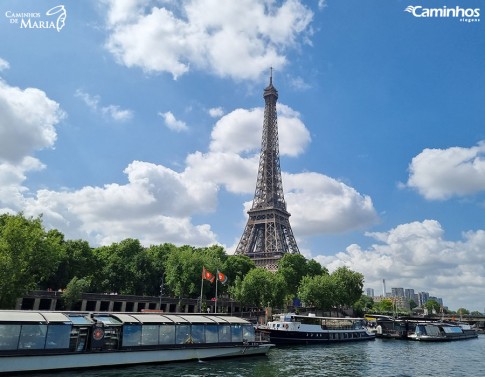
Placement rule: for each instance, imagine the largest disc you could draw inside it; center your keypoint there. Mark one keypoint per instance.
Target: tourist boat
(41, 341)
(299, 329)
(423, 330)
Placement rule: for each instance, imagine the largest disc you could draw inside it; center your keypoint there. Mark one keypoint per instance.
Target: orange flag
(207, 275)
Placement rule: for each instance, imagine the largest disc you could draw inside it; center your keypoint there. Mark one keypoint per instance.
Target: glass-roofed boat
(35, 340)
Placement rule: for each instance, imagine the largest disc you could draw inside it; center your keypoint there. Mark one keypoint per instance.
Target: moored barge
(298, 329)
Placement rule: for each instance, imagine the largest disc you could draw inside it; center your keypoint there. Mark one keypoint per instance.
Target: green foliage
(363, 305)
(313, 268)
(385, 305)
(318, 291)
(237, 266)
(260, 287)
(31, 258)
(28, 256)
(292, 268)
(74, 289)
(348, 284)
(125, 268)
(432, 306)
(463, 311)
(76, 259)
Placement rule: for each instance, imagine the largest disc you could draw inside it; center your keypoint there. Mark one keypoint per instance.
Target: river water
(380, 358)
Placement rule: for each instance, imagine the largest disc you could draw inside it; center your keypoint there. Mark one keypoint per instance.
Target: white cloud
(216, 112)
(157, 203)
(240, 131)
(439, 174)
(172, 123)
(416, 256)
(299, 83)
(322, 4)
(322, 205)
(155, 206)
(27, 122)
(111, 111)
(4, 65)
(237, 39)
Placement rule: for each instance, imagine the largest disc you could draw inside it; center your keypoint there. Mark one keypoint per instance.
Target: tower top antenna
(270, 75)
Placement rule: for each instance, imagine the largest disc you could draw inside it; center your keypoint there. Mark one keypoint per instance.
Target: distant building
(409, 294)
(423, 298)
(397, 292)
(369, 292)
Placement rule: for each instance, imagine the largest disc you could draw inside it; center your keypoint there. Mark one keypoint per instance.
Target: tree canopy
(33, 258)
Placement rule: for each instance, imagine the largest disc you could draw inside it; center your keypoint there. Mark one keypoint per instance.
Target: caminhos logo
(464, 14)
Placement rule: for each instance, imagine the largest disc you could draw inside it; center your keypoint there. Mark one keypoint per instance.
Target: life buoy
(286, 326)
(98, 333)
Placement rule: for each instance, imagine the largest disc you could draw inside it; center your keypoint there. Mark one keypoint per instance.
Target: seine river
(379, 358)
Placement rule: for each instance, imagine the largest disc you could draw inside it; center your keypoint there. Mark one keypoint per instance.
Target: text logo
(54, 18)
(463, 14)
(61, 18)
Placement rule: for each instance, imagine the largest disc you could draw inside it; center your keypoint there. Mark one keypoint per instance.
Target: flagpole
(215, 304)
(201, 287)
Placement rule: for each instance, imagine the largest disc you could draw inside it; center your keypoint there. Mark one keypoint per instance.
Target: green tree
(349, 286)
(463, 311)
(318, 291)
(158, 256)
(363, 305)
(77, 259)
(237, 266)
(260, 287)
(313, 268)
(384, 306)
(125, 268)
(184, 271)
(412, 304)
(432, 306)
(28, 256)
(292, 268)
(73, 291)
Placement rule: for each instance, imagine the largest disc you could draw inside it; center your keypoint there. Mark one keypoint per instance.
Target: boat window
(211, 334)
(198, 334)
(58, 336)
(432, 330)
(182, 334)
(9, 337)
(224, 333)
(131, 335)
(248, 333)
(236, 333)
(32, 336)
(149, 335)
(167, 334)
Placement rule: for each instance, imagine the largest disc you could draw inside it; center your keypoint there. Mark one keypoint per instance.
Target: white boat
(442, 331)
(42, 341)
(298, 329)
(413, 328)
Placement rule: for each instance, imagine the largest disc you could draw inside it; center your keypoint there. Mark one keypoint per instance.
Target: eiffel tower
(268, 235)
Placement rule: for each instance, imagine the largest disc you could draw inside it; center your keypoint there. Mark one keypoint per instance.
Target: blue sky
(142, 119)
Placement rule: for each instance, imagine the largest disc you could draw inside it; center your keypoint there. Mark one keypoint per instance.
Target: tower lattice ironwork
(268, 235)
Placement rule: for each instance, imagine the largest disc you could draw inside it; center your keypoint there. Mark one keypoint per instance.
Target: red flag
(207, 275)
(222, 278)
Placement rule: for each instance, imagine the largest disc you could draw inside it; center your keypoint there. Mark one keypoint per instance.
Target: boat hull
(281, 337)
(31, 363)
